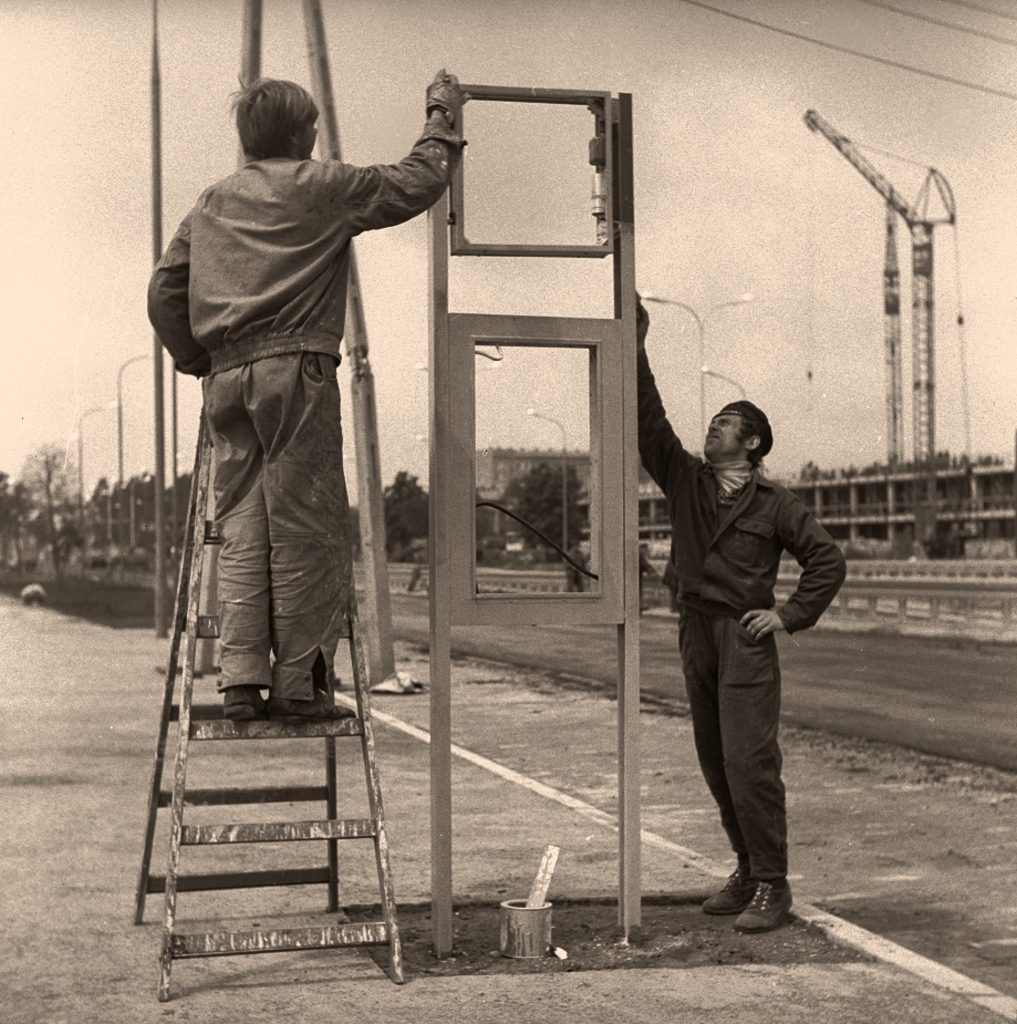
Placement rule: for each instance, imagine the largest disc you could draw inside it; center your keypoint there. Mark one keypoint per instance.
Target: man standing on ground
(729, 526)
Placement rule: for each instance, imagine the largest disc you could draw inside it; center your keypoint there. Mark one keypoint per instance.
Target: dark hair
(269, 113)
(746, 430)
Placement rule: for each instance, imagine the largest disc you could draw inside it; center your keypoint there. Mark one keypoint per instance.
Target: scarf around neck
(731, 477)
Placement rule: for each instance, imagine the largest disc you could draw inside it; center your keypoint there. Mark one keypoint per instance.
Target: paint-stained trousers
(733, 686)
(285, 565)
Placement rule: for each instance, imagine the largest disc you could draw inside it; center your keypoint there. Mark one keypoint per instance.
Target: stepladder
(241, 896)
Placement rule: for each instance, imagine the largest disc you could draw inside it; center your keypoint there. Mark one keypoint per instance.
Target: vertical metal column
(629, 816)
(439, 590)
(159, 484)
(378, 600)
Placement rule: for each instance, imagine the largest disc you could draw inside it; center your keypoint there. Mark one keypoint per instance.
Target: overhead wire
(929, 19)
(981, 8)
(886, 62)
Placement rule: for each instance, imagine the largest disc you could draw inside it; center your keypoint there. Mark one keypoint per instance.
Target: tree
(53, 518)
(14, 510)
(536, 498)
(405, 515)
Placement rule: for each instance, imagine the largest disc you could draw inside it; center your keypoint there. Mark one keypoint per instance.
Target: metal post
(440, 588)
(250, 56)
(701, 327)
(81, 462)
(174, 523)
(161, 611)
(564, 476)
(120, 435)
(378, 603)
(707, 372)
(629, 753)
(132, 532)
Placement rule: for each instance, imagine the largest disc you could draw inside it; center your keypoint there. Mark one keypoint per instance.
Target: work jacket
(725, 557)
(259, 266)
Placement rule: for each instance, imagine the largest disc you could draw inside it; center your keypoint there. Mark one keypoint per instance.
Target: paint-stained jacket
(259, 266)
(726, 559)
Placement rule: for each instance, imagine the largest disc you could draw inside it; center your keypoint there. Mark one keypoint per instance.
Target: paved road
(952, 697)
(910, 847)
(930, 865)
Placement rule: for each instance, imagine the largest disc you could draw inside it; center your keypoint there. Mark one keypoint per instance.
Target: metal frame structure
(614, 458)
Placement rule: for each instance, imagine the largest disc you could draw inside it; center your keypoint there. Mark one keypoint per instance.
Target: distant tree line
(46, 525)
(535, 497)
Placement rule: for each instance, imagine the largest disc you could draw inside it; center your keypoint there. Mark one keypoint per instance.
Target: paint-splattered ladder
(197, 722)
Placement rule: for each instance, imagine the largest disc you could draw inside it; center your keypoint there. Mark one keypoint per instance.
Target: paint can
(525, 931)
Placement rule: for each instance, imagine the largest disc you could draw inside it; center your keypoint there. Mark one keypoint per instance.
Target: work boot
(734, 897)
(242, 703)
(768, 909)
(321, 707)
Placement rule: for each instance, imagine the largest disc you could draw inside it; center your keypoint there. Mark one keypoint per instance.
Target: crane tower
(920, 224)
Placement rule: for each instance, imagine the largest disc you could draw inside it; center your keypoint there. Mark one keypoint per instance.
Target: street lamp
(701, 325)
(120, 422)
(564, 476)
(720, 376)
(81, 459)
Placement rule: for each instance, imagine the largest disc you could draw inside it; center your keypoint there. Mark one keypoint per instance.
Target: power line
(980, 8)
(952, 25)
(854, 53)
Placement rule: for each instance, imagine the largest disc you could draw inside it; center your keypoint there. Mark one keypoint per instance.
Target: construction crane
(920, 223)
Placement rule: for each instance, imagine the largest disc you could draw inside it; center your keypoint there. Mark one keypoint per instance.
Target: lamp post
(564, 476)
(701, 326)
(120, 423)
(707, 372)
(81, 460)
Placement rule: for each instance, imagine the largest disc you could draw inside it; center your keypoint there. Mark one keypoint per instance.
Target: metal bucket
(525, 931)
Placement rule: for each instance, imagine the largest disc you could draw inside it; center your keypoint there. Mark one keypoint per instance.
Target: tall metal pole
(708, 372)
(250, 56)
(378, 625)
(701, 326)
(120, 433)
(564, 476)
(161, 610)
(81, 462)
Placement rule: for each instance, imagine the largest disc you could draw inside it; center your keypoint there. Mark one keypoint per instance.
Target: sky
(734, 196)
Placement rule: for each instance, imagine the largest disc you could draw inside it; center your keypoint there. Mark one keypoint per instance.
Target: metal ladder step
(261, 940)
(279, 831)
(242, 879)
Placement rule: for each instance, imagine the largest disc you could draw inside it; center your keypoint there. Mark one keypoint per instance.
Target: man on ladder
(250, 296)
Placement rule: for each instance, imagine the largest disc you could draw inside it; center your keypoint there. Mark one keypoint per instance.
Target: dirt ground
(585, 937)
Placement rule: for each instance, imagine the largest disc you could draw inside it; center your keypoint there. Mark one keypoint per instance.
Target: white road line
(836, 928)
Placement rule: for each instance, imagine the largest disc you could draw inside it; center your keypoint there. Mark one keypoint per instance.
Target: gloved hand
(445, 95)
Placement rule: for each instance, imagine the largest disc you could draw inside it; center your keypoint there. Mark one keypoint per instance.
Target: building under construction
(878, 511)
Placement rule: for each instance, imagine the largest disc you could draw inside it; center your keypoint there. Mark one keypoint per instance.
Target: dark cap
(758, 423)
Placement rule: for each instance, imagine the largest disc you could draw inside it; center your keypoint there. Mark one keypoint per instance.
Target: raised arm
(661, 451)
(383, 195)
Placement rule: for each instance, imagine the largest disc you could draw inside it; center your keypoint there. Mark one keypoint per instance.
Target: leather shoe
(321, 707)
(768, 909)
(242, 703)
(734, 897)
